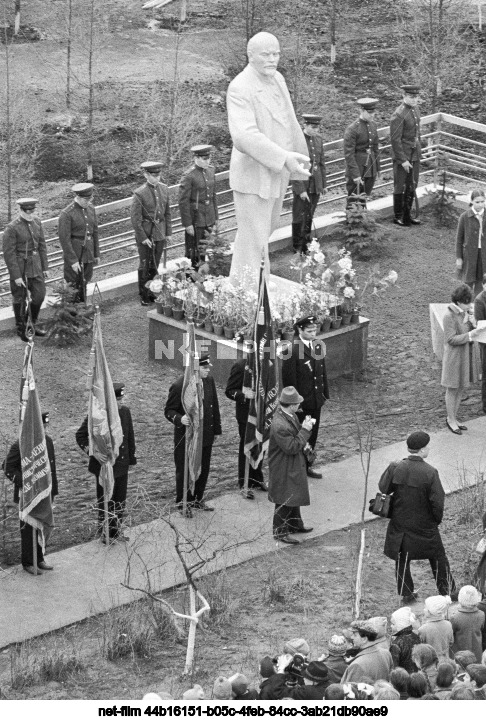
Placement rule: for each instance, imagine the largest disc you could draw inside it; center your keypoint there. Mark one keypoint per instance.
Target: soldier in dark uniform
(406, 152)
(174, 412)
(361, 151)
(305, 369)
(25, 255)
(198, 205)
(306, 192)
(13, 470)
(78, 235)
(152, 223)
(126, 458)
(235, 392)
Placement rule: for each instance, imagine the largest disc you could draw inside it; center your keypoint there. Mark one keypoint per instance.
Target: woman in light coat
(459, 362)
(287, 486)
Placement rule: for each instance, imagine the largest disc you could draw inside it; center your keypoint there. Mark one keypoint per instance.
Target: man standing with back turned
(417, 510)
(268, 148)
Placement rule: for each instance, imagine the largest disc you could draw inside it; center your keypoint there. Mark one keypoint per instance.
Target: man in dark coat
(13, 470)
(417, 510)
(361, 151)
(242, 396)
(198, 204)
(78, 235)
(306, 193)
(287, 486)
(151, 220)
(175, 413)
(126, 458)
(406, 152)
(480, 314)
(25, 255)
(304, 367)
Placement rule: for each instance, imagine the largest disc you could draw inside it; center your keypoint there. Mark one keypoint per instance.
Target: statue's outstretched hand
(295, 164)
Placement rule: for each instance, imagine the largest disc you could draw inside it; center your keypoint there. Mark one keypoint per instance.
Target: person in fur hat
(404, 638)
(436, 629)
(468, 623)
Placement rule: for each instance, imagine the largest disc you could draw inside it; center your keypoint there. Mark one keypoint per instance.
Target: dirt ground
(304, 591)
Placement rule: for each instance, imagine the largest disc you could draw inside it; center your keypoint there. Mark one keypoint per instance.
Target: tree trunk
(333, 31)
(8, 126)
(68, 52)
(89, 168)
(17, 17)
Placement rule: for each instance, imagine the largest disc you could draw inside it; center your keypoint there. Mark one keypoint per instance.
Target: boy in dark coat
(13, 470)
(175, 413)
(126, 458)
(241, 396)
(417, 510)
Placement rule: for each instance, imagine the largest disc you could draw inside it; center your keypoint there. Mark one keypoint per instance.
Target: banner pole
(186, 476)
(106, 524)
(247, 475)
(34, 550)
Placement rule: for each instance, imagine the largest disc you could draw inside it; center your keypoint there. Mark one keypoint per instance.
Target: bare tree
(8, 122)
(89, 169)
(17, 17)
(68, 52)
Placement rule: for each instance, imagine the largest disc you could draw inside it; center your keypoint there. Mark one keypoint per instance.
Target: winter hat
(222, 689)
(297, 645)
(464, 658)
(239, 684)
(402, 618)
(437, 605)
(477, 673)
(267, 667)
(317, 671)
(337, 645)
(380, 625)
(194, 694)
(469, 596)
(366, 627)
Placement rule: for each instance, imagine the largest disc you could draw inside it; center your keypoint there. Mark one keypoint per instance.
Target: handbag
(381, 504)
(481, 547)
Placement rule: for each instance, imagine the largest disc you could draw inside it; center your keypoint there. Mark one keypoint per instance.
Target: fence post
(437, 139)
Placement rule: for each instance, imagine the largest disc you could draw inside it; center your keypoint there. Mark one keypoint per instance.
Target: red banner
(35, 506)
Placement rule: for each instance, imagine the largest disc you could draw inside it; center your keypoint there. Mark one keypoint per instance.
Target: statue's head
(263, 51)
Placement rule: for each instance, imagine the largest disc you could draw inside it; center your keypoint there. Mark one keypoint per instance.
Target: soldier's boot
(409, 204)
(399, 217)
(34, 311)
(142, 290)
(297, 239)
(19, 322)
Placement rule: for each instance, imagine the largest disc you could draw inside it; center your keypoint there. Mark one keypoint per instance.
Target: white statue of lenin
(269, 148)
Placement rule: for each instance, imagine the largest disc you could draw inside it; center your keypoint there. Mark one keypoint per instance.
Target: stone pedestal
(347, 347)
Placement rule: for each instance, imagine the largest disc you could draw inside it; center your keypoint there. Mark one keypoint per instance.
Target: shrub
(364, 238)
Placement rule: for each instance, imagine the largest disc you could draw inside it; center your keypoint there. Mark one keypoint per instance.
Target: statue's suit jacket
(262, 135)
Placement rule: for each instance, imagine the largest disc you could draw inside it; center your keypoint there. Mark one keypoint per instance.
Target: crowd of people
(440, 656)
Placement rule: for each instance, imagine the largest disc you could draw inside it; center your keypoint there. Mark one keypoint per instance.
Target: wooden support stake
(106, 522)
(247, 475)
(186, 477)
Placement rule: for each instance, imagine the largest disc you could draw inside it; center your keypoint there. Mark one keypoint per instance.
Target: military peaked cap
(27, 202)
(306, 321)
(311, 119)
(205, 360)
(201, 150)
(368, 103)
(151, 166)
(84, 190)
(411, 89)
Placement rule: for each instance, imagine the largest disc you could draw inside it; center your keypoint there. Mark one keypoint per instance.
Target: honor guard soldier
(78, 235)
(175, 413)
(126, 458)
(198, 205)
(406, 152)
(306, 192)
(304, 368)
(12, 468)
(361, 151)
(25, 255)
(152, 223)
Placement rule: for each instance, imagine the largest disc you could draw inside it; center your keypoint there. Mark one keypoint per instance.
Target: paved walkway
(88, 579)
